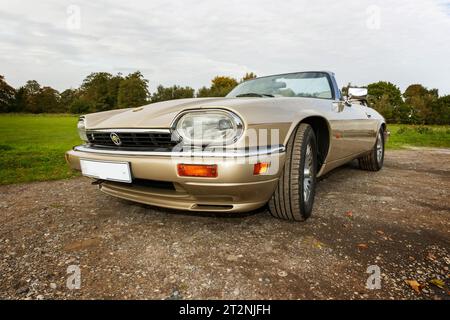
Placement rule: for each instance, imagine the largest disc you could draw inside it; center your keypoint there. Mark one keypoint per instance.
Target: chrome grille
(132, 140)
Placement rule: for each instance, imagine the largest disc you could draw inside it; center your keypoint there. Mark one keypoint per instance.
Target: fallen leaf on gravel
(438, 283)
(362, 246)
(313, 242)
(431, 256)
(417, 287)
(319, 244)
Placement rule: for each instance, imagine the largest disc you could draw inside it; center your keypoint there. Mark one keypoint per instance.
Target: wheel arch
(383, 126)
(322, 131)
(385, 130)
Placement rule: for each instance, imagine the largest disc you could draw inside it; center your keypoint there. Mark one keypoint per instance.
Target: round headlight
(209, 127)
(81, 126)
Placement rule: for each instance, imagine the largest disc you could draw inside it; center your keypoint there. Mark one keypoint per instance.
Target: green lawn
(403, 136)
(32, 146)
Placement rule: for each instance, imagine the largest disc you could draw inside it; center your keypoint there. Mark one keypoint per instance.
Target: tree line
(417, 105)
(103, 91)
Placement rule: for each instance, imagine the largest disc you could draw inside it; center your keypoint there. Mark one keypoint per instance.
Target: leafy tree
(31, 92)
(441, 111)
(403, 114)
(36, 99)
(421, 100)
(32, 87)
(20, 100)
(113, 90)
(7, 94)
(33, 98)
(67, 97)
(47, 100)
(133, 91)
(220, 87)
(204, 92)
(79, 106)
(386, 98)
(96, 89)
(171, 93)
(248, 76)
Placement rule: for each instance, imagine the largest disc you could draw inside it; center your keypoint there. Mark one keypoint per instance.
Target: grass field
(403, 136)
(32, 146)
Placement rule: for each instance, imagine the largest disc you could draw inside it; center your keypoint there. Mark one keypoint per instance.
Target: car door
(352, 129)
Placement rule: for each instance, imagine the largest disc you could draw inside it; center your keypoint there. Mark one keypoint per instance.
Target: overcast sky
(189, 42)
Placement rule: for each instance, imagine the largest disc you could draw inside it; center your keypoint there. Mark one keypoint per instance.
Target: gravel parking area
(397, 219)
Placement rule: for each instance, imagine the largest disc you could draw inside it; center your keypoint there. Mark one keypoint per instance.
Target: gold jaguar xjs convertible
(266, 142)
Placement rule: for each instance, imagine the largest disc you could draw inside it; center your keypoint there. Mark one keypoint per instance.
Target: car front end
(202, 161)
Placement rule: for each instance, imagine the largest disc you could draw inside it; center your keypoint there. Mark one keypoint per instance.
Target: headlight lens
(209, 127)
(82, 129)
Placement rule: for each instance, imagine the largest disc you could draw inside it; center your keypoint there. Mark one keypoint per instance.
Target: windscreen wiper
(253, 94)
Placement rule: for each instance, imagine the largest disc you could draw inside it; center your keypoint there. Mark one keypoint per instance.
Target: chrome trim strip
(120, 130)
(215, 154)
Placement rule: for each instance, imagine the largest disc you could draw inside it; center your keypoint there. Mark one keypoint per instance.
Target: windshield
(302, 84)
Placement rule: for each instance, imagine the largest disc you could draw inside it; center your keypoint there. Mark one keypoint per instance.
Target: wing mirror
(357, 94)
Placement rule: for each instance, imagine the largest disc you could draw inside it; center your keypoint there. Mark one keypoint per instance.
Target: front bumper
(236, 189)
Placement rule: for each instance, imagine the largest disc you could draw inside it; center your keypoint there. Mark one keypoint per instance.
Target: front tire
(375, 159)
(293, 198)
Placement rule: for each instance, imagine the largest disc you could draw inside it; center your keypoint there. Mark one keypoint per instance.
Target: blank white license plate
(114, 171)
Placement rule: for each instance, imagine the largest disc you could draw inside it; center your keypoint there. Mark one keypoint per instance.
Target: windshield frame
(329, 77)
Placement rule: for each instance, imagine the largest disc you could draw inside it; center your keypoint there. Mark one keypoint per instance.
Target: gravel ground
(397, 219)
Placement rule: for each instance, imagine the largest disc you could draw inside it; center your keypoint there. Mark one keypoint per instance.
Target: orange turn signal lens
(197, 170)
(261, 168)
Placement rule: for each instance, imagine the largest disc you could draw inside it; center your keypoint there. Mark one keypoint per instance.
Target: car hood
(162, 114)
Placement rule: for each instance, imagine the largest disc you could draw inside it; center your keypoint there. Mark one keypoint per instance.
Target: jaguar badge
(115, 139)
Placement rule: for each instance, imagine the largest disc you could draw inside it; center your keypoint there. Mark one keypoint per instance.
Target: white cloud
(189, 42)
